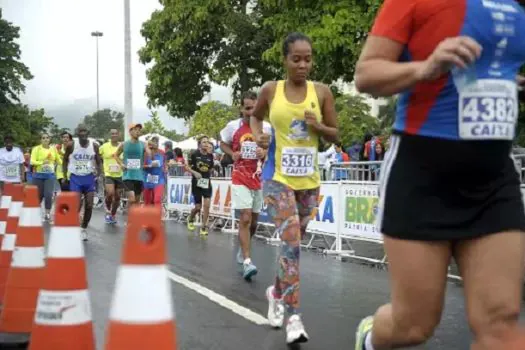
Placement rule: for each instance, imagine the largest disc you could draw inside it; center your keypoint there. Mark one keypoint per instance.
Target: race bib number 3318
(488, 110)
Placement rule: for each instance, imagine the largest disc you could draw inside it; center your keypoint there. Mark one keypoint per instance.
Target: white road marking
(219, 299)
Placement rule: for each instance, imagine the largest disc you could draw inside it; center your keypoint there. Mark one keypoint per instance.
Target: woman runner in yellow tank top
(300, 112)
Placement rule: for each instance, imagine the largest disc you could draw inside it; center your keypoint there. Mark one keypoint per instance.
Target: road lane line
(219, 299)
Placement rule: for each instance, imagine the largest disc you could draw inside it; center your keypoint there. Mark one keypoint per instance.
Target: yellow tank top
(294, 145)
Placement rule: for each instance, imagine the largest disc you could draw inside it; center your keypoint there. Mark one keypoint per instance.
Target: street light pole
(97, 35)
(128, 95)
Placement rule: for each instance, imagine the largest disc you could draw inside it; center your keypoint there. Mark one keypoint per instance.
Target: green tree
(154, 125)
(101, 122)
(24, 124)
(211, 118)
(191, 44)
(354, 119)
(338, 29)
(12, 70)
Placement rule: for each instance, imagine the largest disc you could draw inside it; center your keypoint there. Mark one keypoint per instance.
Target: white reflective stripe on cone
(5, 203)
(3, 224)
(8, 243)
(30, 217)
(29, 257)
(63, 308)
(15, 209)
(65, 242)
(142, 295)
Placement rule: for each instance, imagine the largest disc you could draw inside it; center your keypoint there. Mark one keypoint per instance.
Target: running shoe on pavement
(204, 231)
(191, 226)
(365, 327)
(248, 270)
(275, 309)
(295, 332)
(114, 219)
(108, 218)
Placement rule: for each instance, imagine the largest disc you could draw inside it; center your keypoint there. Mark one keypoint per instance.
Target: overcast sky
(57, 46)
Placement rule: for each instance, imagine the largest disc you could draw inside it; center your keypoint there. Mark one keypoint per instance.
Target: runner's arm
(261, 108)
(22, 161)
(117, 155)
(65, 163)
(34, 157)
(98, 160)
(226, 148)
(328, 127)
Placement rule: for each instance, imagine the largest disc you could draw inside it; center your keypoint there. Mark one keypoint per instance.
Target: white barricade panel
(358, 210)
(179, 196)
(221, 197)
(326, 219)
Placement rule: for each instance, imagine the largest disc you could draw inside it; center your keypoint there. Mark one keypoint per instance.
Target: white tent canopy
(162, 139)
(190, 143)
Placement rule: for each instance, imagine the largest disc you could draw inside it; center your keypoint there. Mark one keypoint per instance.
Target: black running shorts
(134, 186)
(435, 189)
(198, 193)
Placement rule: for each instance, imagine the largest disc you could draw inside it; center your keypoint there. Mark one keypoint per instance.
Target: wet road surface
(335, 295)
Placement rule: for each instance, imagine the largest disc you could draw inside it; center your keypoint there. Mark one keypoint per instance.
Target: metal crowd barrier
(343, 225)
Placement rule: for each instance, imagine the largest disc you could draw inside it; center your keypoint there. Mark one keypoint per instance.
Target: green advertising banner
(360, 210)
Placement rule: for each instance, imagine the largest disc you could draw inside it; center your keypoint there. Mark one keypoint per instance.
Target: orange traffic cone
(63, 314)
(25, 276)
(141, 315)
(5, 202)
(8, 243)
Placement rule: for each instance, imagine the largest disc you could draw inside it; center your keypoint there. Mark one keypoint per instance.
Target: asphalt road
(335, 294)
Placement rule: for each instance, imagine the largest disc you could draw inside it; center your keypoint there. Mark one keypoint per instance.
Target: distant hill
(70, 115)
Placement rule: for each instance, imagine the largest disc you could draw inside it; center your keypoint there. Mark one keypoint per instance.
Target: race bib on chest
(47, 168)
(133, 164)
(12, 170)
(249, 150)
(488, 110)
(203, 183)
(152, 179)
(297, 161)
(82, 167)
(114, 168)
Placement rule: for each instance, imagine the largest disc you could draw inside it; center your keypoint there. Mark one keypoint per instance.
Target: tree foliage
(211, 118)
(101, 122)
(338, 29)
(24, 124)
(191, 43)
(354, 119)
(154, 125)
(12, 70)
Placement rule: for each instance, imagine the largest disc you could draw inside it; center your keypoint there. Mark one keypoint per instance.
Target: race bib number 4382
(488, 110)
(297, 161)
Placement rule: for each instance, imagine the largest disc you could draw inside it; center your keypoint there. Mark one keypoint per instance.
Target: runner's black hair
(292, 38)
(249, 95)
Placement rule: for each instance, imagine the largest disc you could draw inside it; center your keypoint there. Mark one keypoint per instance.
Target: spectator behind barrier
(340, 157)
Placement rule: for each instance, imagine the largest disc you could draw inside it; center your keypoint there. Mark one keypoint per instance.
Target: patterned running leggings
(290, 211)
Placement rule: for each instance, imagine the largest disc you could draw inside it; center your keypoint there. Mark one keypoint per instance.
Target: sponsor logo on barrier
(180, 194)
(327, 212)
(360, 211)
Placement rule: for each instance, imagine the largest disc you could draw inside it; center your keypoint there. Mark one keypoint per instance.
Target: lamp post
(128, 95)
(97, 35)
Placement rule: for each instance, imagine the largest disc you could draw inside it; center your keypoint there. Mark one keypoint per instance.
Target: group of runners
(448, 185)
(133, 167)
